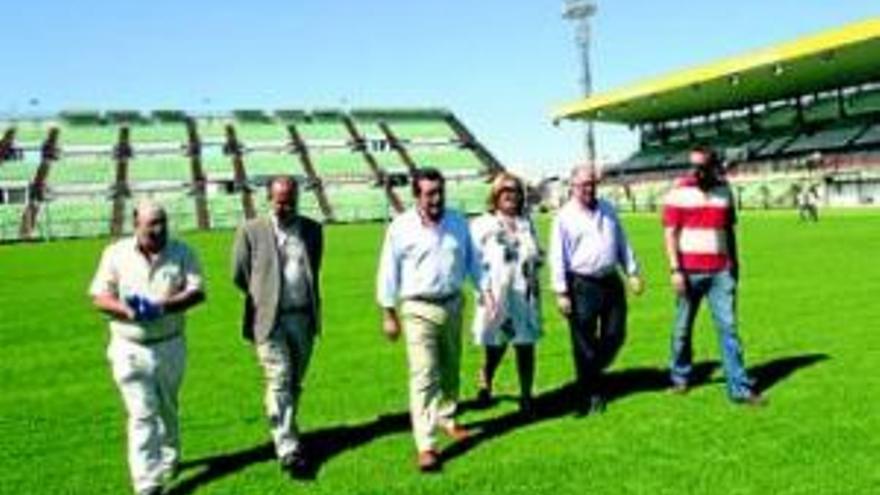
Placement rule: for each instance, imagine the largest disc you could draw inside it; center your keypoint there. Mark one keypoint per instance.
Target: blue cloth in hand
(144, 309)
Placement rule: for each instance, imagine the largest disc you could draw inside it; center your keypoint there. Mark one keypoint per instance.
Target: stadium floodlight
(579, 13)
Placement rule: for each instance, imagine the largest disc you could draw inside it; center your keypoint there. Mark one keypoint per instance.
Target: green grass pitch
(809, 317)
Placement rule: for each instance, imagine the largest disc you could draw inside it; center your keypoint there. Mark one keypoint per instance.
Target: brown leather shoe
(428, 461)
(457, 433)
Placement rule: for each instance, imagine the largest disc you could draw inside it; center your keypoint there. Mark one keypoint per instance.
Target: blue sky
(500, 65)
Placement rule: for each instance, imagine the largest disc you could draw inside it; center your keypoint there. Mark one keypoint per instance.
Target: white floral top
(510, 256)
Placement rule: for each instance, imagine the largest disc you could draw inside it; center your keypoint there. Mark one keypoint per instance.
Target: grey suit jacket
(256, 272)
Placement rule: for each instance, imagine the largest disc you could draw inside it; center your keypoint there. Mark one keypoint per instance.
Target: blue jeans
(719, 288)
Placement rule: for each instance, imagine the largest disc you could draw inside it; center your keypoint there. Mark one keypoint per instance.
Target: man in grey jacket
(276, 264)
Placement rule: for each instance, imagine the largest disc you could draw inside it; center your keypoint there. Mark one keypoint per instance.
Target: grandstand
(78, 173)
(799, 114)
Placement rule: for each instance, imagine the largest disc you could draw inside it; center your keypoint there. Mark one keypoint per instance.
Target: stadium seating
(863, 103)
(468, 196)
(27, 132)
(17, 171)
(81, 180)
(74, 217)
(823, 110)
(870, 137)
(226, 210)
(269, 164)
(159, 168)
(252, 132)
(85, 134)
(83, 170)
(340, 163)
(158, 133)
(217, 166)
(826, 139)
(10, 220)
(446, 160)
(358, 202)
(390, 162)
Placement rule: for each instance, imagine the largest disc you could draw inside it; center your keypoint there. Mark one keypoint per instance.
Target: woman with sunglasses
(508, 247)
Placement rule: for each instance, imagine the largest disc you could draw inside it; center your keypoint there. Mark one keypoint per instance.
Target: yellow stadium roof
(841, 57)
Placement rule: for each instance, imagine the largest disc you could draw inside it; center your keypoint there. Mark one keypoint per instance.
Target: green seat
(446, 159)
(252, 132)
(225, 210)
(467, 196)
(27, 132)
(147, 168)
(74, 217)
(217, 167)
(158, 133)
(340, 163)
(82, 170)
(323, 130)
(10, 221)
(822, 111)
(83, 134)
(353, 203)
(421, 129)
(18, 171)
(267, 165)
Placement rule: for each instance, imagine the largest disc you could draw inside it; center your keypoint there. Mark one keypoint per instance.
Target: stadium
(800, 114)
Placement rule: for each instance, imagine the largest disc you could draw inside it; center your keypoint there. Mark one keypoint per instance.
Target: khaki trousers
(433, 345)
(285, 356)
(148, 377)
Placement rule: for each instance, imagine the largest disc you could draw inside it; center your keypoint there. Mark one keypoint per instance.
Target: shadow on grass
(560, 402)
(320, 445)
(324, 444)
(768, 374)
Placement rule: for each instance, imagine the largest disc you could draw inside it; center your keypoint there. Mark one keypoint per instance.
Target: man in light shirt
(587, 245)
(425, 258)
(145, 284)
(276, 265)
(698, 220)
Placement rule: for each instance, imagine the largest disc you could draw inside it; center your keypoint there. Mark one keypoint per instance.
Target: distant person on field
(808, 199)
(144, 284)
(276, 265)
(588, 247)
(426, 255)
(699, 219)
(507, 244)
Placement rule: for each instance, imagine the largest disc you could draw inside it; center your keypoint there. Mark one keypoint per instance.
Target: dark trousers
(598, 327)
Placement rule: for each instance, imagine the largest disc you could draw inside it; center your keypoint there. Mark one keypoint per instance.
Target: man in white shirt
(145, 284)
(587, 245)
(425, 258)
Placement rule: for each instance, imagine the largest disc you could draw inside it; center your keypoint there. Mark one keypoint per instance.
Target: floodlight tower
(579, 13)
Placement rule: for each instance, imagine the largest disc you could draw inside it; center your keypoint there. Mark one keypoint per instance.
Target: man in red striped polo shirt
(698, 221)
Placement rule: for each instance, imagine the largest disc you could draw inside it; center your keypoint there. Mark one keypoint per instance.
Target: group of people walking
(146, 283)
